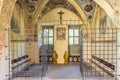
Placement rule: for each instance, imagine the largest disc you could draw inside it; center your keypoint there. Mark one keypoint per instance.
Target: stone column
(4, 54)
(5, 18)
(118, 44)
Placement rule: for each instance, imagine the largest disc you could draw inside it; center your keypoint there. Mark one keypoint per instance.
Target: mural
(14, 25)
(61, 33)
(30, 8)
(88, 8)
(103, 24)
(86, 5)
(58, 3)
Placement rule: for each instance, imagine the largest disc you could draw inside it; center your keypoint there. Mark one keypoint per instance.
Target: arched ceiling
(31, 6)
(87, 7)
(58, 3)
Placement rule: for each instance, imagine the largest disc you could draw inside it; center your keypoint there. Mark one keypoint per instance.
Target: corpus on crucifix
(61, 13)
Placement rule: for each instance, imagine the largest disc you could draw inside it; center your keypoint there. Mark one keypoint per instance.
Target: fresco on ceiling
(86, 5)
(88, 8)
(30, 7)
(14, 25)
(58, 3)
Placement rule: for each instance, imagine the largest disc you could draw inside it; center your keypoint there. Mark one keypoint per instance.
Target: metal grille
(23, 62)
(100, 54)
(97, 57)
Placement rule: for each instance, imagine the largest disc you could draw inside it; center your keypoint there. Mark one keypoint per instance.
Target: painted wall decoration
(30, 8)
(14, 25)
(88, 8)
(55, 3)
(103, 24)
(61, 33)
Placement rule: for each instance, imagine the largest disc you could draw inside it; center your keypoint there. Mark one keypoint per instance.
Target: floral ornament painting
(61, 33)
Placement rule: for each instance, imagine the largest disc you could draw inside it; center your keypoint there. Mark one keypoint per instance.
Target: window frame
(74, 27)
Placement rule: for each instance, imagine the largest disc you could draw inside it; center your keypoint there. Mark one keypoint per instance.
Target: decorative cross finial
(61, 13)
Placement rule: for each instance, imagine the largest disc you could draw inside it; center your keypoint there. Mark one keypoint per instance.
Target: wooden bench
(104, 63)
(17, 60)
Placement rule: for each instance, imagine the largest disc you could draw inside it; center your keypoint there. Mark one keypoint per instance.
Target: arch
(103, 3)
(39, 9)
(107, 8)
(6, 12)
(1, 5)
(74, 4)
(77, 7)
(60, 8)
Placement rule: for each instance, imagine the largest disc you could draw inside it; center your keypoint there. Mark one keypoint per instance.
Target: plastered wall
(60, 46)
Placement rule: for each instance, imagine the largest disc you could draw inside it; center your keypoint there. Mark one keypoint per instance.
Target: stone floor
(56, 72)
(70, 71)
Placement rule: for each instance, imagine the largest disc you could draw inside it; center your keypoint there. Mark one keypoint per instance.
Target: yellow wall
(53, 15)
(60, 46)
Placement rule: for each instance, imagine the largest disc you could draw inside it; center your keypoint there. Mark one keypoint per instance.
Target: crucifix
(61, 13)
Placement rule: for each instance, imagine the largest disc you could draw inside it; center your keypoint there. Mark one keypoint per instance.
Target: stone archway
(5, 18)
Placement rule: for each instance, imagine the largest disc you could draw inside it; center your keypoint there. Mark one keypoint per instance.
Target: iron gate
(24, 55)
(100, 54)
(97, 59)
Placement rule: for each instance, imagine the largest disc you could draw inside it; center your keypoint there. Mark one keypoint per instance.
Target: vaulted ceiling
(31, 6)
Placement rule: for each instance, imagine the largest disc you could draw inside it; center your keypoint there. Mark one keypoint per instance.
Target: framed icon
(61, 33)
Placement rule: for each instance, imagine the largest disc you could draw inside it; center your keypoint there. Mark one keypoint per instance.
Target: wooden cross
(61, 13)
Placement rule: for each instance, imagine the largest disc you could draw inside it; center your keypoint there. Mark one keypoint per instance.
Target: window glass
(76, 40)
(70, 32)
(45, 40)
(50, 40)
(50, 32)
(71, 40)
(45, 32)
(73, 35)
(76, 32)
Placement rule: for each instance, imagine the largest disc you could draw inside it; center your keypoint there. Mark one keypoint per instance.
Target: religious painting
(103, 25)
(14, 25)
(61, 33)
